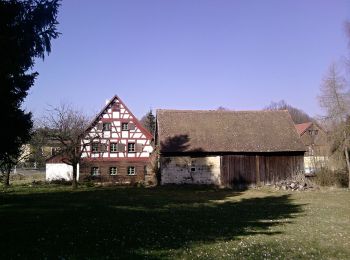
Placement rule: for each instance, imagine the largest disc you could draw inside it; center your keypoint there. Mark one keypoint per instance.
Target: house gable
(116, 135)
(314, 138)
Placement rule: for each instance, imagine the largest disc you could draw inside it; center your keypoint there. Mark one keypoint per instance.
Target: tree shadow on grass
(131, 223)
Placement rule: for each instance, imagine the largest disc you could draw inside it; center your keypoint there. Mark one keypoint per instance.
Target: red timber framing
(119, 140)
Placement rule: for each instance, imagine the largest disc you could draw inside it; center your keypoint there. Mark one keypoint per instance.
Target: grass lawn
(173, 222)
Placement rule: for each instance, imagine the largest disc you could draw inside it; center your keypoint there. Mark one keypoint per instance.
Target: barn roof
(227, 131)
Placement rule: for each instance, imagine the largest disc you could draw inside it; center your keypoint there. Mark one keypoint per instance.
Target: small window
(113, 171)
(95, 147)
(313, 132)
(193, 169)
(131, 147)
(106, 126)
(131, 170)
(95, 171)
(99, 126)
(116, 107)
(55, 150)
(114, 147)
(311, 151)
(131, 126)
(125, 126)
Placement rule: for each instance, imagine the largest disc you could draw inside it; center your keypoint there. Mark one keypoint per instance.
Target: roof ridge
(219, 111)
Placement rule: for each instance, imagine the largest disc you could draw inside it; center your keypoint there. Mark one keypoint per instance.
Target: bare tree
(347, 31)
(68, 126)
(335, 100)
(298, 116)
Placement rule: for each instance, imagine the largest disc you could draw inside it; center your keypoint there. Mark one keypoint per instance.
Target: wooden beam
(257, 170)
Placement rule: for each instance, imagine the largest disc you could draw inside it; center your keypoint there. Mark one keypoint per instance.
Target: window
(131, 147)
(116, 107)
(95, 171)
(131, 170)
(313, 132)
(113, 171)
(311, 151)
(193, 169)
(94, 147)
(106, 126)
(55, 150)
(99, 126)
(114, 147)
(125, 127)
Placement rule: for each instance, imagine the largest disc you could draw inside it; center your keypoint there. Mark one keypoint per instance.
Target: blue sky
(191, 54)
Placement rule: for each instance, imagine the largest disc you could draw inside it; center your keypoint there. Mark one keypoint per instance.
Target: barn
(227, 148)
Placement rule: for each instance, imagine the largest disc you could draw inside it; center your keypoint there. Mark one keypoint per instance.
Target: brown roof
(301, 128)
(227, 131)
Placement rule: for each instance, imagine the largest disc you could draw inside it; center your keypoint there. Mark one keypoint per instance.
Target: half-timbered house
(227, 148)
(116, 147)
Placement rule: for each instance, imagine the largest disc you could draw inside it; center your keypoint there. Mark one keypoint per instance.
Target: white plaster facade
(59, 171)
(311, 163)
(190, 170)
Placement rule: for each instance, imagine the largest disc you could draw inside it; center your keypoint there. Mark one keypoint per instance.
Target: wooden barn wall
(258, 169)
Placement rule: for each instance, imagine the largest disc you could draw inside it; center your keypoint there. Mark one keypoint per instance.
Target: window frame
(133, 146)
(111, 171)
(104, 128)
(125, 124)
(95, 145)
(95, 171)
(131, 168)
(114, 145)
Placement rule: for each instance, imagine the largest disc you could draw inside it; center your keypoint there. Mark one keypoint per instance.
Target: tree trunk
(346, 150)
(347, 162)
(7, 178)
(74, 182)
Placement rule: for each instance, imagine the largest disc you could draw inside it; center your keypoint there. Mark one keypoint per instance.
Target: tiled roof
(301, 128)
(226, 131)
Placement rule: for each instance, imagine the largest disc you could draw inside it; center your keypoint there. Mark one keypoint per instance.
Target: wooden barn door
(238, 170)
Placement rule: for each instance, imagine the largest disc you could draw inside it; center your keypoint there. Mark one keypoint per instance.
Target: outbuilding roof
(301, 128)
(226, 131)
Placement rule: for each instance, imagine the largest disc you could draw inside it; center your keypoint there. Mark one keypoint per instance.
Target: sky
(190, 54)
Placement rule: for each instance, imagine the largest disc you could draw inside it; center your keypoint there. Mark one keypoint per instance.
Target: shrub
(17, 177)
(326, 177)
(61, 182)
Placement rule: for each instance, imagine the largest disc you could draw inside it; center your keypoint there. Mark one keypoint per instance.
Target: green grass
(173, 222)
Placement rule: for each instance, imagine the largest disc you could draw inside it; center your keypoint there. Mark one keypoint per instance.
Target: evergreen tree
(26, 31)
(148, 121)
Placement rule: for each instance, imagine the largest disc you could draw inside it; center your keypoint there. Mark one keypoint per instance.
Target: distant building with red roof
(314, 138)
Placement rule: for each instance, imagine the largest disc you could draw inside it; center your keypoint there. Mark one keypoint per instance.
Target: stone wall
(190, 170)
